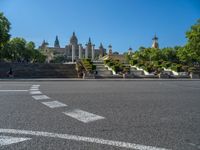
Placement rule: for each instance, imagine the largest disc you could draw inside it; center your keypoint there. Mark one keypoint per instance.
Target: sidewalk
(76, 79)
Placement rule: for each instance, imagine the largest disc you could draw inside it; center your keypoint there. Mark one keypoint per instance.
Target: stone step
(101, 69)
(100, 66)
(38, 70)
(104, 73)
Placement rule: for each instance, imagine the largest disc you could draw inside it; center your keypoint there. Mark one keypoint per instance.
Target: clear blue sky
(122, 23)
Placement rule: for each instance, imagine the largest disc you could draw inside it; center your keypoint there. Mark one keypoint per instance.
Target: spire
(44, 44)
(89, 42)
(101, 50)
(56, 43)
(155, 38)
(101, 46)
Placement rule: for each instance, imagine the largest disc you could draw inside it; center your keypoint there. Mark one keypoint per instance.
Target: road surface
(98, 115)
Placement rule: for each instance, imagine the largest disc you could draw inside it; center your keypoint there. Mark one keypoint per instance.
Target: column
(93, 51)
(86, 51)
(73, 52)
(80, 51)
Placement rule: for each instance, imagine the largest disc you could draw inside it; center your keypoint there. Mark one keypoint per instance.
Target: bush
(88, 65)
(166, 64)
(110, 64)
(177, 67)
(116, 68)
(133, 62)
(126, 70)
(93, 67)
(191, 69)
(106, 61)
(185, 68)
(89, 60)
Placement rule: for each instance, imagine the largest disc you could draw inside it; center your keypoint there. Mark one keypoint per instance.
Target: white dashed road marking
(35, 92)
(7, 140)
(82, 139)
(83, 116)
(13, 90)
(40, 97)
(77, 114)
(54, 104)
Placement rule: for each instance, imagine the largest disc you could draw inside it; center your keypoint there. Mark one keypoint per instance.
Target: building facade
(73, 51)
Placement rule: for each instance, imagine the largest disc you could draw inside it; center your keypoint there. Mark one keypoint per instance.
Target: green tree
(170, 54)
(38, 57)
(4, 29)
(18, 46)
(4, 32)
(30, 45)
(58, 59)
(190, 53)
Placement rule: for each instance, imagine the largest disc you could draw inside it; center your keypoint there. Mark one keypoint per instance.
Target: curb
(84, 80)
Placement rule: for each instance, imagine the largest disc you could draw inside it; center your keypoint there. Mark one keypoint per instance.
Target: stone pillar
(86, 51)
(73, 52)
(80, 51)
(93, 52)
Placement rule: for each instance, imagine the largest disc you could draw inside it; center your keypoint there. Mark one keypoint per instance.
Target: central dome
(73, 39)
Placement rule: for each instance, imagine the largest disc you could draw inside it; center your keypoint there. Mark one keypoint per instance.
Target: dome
(73, 39)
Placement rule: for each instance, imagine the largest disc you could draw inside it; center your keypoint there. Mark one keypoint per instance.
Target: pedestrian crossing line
(40, 97)
(54, 104)
(83, 116)
(35, 92)
(34, 89)
(35, 85)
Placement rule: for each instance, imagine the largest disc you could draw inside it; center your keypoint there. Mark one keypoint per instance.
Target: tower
(44, 44)
(73, 39)
(155, 42)
(56, 43)
(89, 48)
(101, 50)
(130, 50)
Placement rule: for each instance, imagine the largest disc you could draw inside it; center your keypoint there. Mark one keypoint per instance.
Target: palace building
(73, 51)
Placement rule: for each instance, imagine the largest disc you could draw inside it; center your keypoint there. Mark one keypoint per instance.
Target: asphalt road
(96, 115)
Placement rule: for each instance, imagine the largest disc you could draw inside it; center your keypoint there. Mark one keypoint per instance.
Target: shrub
(93, 67)
(88, 65)
(110, 64)
(133, 62)
(185, 68)
(126, 69)
(115, 68)
(106, 61)
(191, 69)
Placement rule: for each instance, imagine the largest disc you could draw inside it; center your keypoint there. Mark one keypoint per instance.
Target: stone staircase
(135, 72)
(102, 71)
(21, 70)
